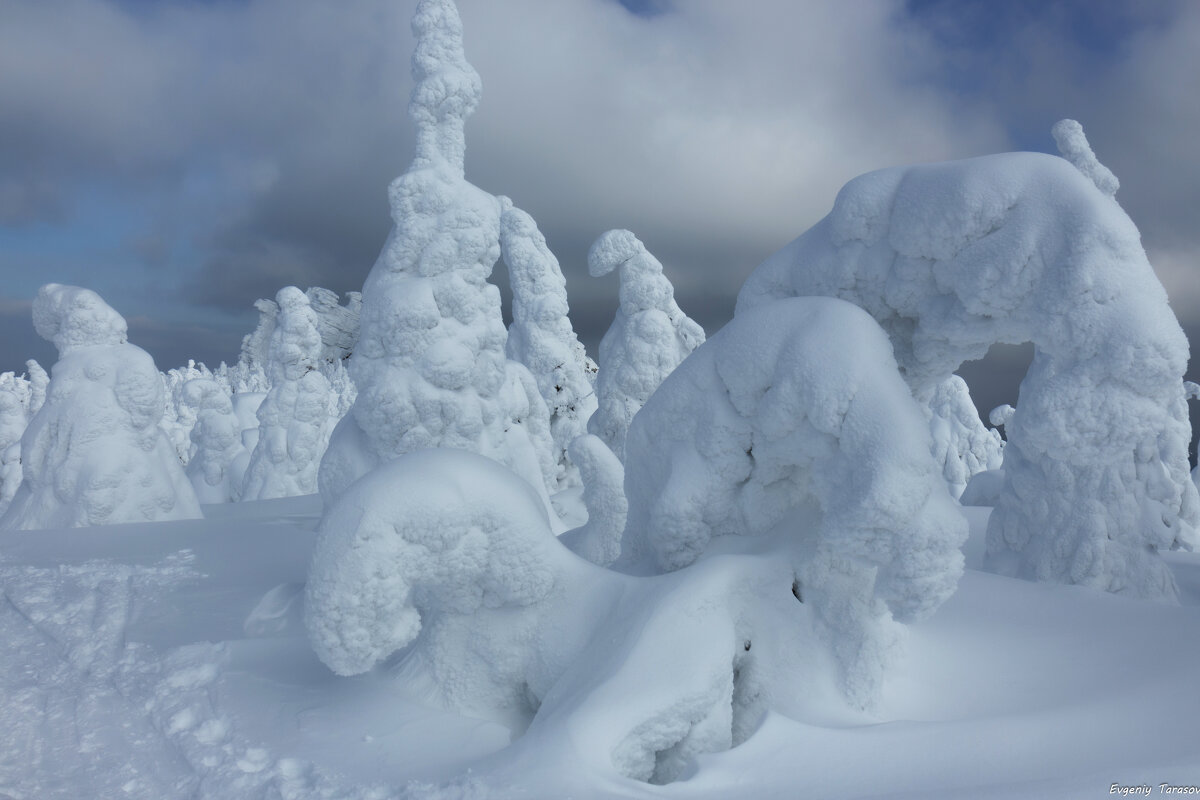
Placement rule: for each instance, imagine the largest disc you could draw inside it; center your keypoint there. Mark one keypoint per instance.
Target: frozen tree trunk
(648, 338)
(952, 258)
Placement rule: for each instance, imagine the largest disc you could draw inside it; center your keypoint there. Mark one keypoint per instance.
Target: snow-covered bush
(430, 363)
(951, 258)
(219, 460)
(793, 422)
(298, 413)
(541, 336)
(447, 559)
(648, 338)
(961, 444)
(94, 453)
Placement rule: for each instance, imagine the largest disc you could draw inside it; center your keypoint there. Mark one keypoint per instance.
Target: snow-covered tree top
(1068, 135)
(447, 88)
(71, 316)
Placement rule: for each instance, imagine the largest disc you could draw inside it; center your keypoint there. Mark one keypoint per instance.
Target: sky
(186, 157)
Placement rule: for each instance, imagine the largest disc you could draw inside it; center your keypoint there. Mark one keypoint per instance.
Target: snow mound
(94, 453)
(951, 258)
(649, 336)
(435, 532)
(793, 421)
(599, 540)
(450, 555)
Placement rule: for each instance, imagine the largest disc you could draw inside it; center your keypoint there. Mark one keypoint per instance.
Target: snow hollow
(402, 550)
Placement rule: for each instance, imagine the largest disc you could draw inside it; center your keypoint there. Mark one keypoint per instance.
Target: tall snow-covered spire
(447, 87)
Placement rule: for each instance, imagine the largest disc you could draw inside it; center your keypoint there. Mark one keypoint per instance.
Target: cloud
(258, 137)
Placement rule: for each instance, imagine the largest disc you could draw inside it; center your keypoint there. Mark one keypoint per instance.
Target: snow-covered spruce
(430, 363)
(219, 460)
(961, 444)
(648, 338)
(951, 258)
(541, 336)
(94, 453)
(793, 422)
(448, 557)
(298, 413)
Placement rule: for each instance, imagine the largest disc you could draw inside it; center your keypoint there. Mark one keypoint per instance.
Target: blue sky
(185, 158)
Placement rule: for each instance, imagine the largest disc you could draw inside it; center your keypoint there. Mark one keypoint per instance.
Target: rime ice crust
(94, 453)
(297, 415)
(541, 336)
(430, 363)
(793, 421)
(961, 444)
(649, 336)
(951, 258)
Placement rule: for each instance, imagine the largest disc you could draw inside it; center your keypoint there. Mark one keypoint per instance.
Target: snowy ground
(168, 660)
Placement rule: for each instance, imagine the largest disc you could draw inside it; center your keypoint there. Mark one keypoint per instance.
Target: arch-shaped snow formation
(950, 258)
(793, 422)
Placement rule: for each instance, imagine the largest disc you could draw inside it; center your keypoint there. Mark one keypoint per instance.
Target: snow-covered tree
(250, 372)
(94, 453)
(961, 444)
(180, 415)
(430, 363)
(541, 336)
(648, 338)
(337, 323)
(21, 396)
(952, 258)
(219, 459)
(793, 422)
(298, 413)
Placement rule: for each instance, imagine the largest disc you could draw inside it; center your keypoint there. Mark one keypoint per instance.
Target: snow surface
(94, 453)
(170, 660)
(951, 258)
